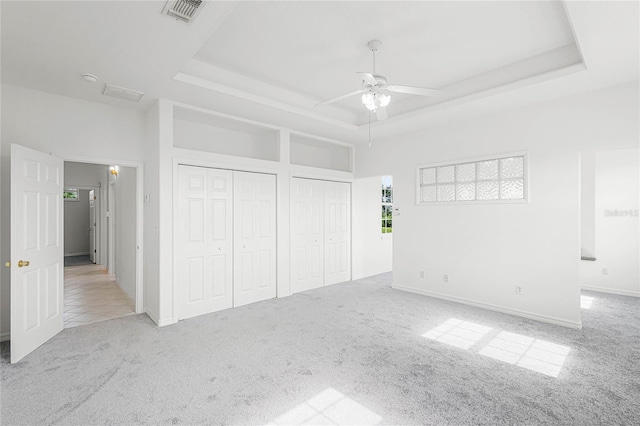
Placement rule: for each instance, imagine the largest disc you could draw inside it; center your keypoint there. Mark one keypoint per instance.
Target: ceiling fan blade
(422, 91)
(339, 98)
(368, 77)
(381, 113)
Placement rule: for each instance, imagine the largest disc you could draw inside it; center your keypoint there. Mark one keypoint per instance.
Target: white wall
(68, 128)
(316, 153)
(488, 249)
(125, 230)
(83, 174)
(616, 225)
(76, 225)
(587, 204)
(207, 138)
(372, 250)
(151, 216)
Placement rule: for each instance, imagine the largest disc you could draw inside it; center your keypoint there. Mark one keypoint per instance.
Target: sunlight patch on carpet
(458, 333)
(329, 407)
(527, 352)
(586, 302)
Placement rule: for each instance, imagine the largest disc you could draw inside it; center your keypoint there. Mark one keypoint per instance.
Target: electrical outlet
(421, 274)
(445, 278)
(605, 271)
(518, 290)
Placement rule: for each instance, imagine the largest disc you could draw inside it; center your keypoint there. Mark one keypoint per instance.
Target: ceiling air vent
(122, 93)
(183, 10)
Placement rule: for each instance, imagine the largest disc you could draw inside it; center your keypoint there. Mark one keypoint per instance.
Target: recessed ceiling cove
(294, 55)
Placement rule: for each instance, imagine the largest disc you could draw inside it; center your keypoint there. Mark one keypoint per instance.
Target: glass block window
(492, 179)
(387, 204)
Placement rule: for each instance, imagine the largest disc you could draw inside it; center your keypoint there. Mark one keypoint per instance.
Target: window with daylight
(387, 204)
(71, 194)
(487, 180)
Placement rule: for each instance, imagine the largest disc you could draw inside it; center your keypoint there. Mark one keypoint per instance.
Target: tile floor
(92, 295)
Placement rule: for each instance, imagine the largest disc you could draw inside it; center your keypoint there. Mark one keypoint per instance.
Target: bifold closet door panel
(254, 201)
(204, 241)
(307, 234)
(337, 232)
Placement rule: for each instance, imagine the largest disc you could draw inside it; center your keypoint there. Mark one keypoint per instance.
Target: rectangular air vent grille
(184, 10)
(122, 93)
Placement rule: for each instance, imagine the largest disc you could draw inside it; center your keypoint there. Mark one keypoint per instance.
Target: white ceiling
(272, 61)
(316, 48)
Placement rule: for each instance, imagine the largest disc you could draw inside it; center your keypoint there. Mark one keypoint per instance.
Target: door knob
(7, 264)
(22, 263)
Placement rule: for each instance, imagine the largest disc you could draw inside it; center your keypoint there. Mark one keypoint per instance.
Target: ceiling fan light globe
(369, 101)
(384, 99)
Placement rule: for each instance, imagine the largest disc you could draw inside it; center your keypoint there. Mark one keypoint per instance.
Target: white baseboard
(367, 275)
(4, 336)
(83, 253)
(159, 323)
(165, 322)
(612, 291)
(497, 308)
(152, 316)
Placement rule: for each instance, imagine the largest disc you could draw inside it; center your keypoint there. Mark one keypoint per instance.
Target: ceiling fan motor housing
(381, 82)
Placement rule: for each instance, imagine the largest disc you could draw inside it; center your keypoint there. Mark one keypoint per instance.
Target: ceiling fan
(375, 91)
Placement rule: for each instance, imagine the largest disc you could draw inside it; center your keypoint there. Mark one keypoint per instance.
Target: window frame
(525, 177)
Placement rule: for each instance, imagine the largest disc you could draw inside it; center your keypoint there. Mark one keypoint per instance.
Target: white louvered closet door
(204, 241)
(254, 201)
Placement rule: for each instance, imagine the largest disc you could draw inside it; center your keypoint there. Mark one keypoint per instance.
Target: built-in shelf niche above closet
(308, 151)
(200, 131)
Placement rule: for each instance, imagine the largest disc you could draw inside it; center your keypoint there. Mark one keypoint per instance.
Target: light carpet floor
(353, 353)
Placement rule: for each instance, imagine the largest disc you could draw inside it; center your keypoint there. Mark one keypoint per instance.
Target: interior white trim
(611, 291)
(189, 157)
(223, 115)
(5, 336)
(318, 173)
(221, 88)
(573, 31)
(321, 138)
(491, 307)
(423, 113)
(89, 187)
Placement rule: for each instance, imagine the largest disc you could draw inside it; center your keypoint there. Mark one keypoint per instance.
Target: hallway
(91, 295)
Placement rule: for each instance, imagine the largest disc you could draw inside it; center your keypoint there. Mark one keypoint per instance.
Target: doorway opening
(99, 242)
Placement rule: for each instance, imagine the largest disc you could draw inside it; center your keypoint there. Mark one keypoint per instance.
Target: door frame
(139, 166)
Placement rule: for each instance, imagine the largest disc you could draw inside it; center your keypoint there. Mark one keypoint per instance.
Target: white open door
(37, 256)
